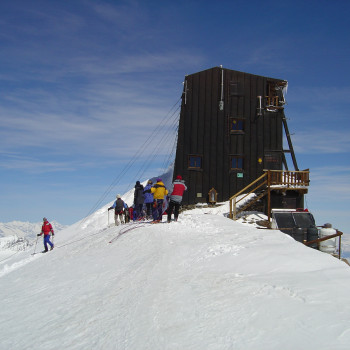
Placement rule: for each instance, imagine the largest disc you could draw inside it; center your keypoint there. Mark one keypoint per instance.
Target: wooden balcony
(270, 180)
(287, 179)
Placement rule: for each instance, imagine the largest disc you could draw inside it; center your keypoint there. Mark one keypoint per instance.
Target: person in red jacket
(177, 191)
(46, 230)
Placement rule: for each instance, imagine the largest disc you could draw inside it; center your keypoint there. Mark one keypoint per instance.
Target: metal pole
(37, 237)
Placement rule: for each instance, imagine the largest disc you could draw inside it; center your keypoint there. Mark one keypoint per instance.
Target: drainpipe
(221, 103)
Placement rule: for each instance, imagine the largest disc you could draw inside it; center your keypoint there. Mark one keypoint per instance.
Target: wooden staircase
(262, 186)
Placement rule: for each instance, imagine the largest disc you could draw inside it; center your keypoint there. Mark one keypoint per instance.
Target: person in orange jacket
(46, 230)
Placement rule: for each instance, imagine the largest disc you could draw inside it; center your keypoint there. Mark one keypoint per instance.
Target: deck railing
(283, 178)
(338, 234)
(271, 179)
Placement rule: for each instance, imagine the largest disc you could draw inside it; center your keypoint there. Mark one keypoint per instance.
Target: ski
(42, 252)
(127, 229)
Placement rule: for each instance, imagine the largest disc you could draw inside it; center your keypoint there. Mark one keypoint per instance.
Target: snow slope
(204, 282)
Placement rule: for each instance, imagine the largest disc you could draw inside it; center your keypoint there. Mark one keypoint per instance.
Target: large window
(195, 162)
(237, 162)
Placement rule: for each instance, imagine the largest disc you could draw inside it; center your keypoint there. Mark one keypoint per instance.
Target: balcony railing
(271, 179)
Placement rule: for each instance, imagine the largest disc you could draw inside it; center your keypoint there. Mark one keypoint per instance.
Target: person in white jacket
(176, 194)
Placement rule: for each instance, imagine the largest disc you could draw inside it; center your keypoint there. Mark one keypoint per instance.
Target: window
(236, 88)
(195, 162)
(236, 125)
(273, 160)
(237, 162)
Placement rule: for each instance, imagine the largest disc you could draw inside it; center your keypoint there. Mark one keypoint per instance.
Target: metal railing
(338, 234)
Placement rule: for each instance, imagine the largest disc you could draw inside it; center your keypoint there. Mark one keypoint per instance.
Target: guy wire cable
(128, 165)
(155, 151)
(148, 161)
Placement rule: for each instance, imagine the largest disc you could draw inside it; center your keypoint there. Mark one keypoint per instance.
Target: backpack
(119, 207)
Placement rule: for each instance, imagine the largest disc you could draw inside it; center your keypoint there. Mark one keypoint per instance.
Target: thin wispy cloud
(34, 166)
(85, 83)
(331, 182)
(321, 141)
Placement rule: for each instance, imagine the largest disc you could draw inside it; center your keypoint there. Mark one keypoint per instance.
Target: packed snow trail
(205, 282)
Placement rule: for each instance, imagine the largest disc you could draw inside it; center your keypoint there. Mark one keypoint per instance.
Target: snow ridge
(204, 282)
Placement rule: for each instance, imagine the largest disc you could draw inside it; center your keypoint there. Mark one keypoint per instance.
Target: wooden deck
(270, 180)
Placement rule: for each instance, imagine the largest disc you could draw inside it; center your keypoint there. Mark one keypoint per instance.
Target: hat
(150, 182)
(118, 196)
(178, 177)
(137, 182)
(159, 179)
(44, 219)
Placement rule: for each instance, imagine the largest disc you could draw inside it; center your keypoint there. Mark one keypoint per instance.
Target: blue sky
(85, 83)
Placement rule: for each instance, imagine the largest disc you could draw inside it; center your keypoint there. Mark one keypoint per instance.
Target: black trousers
(149, 208)
(173, 206)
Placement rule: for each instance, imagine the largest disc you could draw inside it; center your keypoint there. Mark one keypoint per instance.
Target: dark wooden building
(230, 130)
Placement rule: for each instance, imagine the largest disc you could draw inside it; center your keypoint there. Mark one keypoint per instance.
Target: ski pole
(37, 237)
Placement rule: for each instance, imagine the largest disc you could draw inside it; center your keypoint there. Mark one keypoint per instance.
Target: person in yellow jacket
(159, 192)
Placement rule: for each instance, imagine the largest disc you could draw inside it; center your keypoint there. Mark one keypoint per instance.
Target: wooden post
(234, 209)
(290, 143)
(338, 234)
(339, 248)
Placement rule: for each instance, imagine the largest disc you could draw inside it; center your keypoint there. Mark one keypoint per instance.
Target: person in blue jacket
(148, 199)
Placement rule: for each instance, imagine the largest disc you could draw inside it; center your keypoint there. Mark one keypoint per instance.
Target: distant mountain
(25, 229)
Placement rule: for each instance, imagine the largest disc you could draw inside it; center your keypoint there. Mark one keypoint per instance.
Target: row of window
(236, 126)
(195, 162)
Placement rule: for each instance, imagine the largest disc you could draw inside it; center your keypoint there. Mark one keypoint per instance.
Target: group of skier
(150, 202)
